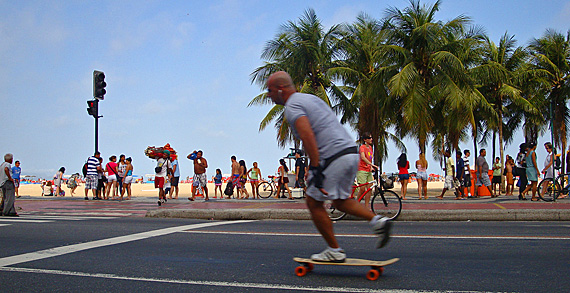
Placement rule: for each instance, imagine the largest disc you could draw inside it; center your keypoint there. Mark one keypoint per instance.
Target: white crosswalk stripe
(6, 221)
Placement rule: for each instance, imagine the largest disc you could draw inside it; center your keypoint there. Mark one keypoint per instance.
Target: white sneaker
(329, 255)
(382, 228)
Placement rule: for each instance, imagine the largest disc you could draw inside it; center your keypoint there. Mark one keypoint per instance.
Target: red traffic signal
(99, 84)
(92, 108)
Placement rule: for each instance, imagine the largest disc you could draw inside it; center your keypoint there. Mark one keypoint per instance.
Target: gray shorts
(484, 180)
(339, 178)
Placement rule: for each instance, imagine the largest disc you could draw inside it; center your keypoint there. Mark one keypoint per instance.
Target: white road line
(24, 220)
(208, 283)
(57, 251)
(393, 236)
(67, 218)
(5, 225)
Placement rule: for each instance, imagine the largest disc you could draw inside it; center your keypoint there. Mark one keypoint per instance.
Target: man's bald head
(280, 79)
(280, 87)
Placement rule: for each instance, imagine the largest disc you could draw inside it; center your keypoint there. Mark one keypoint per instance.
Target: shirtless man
(200, 179)
(235, 174)
(333, 163)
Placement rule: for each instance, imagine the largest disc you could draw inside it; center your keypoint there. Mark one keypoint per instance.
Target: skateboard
(377, 267)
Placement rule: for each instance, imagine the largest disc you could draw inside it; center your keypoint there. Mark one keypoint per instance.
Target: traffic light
(99, 84)
(92, 108)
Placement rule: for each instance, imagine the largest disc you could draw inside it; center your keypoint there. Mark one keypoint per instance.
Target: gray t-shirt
(330, 135)
(3, 176)
(482, 164)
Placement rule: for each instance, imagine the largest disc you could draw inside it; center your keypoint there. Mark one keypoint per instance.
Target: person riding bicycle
(333, 162)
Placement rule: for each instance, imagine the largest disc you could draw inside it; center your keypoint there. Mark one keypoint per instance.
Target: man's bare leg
(351, 206)
(322, 221)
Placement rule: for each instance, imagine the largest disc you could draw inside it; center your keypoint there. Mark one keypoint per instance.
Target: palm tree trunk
(502, 155)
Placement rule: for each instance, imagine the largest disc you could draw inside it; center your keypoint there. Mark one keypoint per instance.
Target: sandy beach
(148, 190)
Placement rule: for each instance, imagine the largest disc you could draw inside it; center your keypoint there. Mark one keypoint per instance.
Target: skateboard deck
(377, 266)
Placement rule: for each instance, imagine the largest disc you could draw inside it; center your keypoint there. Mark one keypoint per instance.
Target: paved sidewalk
(504, 208)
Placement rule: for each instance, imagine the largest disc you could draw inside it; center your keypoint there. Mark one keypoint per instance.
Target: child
(167, 186)
(218, 183)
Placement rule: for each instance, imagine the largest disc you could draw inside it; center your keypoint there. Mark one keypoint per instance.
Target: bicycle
(265, 188)
(549, 190)
(384, 202)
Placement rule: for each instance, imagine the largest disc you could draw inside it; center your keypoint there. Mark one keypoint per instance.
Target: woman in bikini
(283, 179)
(422, 176)
(242, 180)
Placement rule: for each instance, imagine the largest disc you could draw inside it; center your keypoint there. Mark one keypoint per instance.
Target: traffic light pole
(99, 92)
(97, 131)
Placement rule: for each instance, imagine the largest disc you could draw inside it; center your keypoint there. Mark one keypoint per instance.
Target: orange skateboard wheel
(373, 274)
(300, 271)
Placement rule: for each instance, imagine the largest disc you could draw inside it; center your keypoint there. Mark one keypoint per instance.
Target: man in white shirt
(162, 170)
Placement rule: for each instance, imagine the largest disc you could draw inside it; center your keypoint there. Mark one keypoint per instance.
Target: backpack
(557, 163)
(84, 170)
(229, 189)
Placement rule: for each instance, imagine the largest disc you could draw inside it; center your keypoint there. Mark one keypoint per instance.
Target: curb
(408, 215)
(233, 214)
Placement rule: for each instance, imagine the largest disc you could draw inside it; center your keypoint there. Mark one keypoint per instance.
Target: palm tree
(551, 54)
(305, 51)
(364, 70)
(431, 79)
(497, 75)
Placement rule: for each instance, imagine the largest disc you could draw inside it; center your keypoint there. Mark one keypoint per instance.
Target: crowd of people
(167, 177)
(109, 182)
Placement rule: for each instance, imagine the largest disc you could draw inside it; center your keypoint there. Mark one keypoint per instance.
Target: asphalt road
(68, 254)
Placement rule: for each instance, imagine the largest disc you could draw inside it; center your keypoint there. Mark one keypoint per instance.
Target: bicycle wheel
(333, 213)
(548, 189)
(386, 203)
(265, 190)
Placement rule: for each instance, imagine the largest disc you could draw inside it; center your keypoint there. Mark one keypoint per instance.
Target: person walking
(467, 175)
(254, 174)
(7, 186)
(403, 174)
(482, 171)
(365, 166)
(459, 173)
(112, 173)
(283, 183)
(531, 171)
(200, 180)
(422, 176)
(333, 163)
(449, 174)
(162, 169)
(175, 177)
(16, 172)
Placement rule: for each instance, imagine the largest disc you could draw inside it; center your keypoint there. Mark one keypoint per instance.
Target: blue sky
(177, 72)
